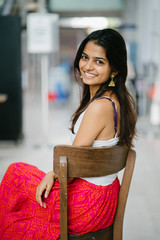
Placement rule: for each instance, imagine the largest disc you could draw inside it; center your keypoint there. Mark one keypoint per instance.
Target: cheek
(107, 73)
(106, 76)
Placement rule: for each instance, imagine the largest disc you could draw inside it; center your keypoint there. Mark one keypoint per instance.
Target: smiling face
(94, 66)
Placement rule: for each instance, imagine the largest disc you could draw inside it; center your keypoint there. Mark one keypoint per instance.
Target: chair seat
(105, 234)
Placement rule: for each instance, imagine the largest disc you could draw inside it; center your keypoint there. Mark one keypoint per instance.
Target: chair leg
(63, 198)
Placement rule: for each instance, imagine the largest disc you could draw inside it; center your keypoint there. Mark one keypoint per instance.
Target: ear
(114, 73)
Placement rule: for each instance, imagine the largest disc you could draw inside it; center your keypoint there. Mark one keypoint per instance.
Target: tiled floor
(143, 206)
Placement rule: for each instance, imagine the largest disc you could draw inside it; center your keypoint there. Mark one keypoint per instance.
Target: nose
(89, 65)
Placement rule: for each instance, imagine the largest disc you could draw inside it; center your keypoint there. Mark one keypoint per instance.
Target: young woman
(105, 117)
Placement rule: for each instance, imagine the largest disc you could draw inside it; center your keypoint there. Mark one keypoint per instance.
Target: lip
(90, 75)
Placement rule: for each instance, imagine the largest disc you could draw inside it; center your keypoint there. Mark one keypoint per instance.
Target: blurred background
(38, 91)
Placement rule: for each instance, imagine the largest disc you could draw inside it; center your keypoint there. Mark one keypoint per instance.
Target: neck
(93, 91)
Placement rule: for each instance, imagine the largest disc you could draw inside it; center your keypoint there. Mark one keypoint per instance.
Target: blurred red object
(52, 96)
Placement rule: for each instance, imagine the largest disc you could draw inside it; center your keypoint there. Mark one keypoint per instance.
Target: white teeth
(89, 74)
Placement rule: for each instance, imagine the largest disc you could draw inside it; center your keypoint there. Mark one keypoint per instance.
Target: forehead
(91, 48)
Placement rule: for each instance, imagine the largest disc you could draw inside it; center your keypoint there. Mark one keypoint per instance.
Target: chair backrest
(70, 161)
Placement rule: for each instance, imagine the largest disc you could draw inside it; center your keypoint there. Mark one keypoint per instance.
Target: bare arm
(97, 123)
(99, 116)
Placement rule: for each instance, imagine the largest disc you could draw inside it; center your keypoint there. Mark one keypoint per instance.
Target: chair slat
(85, 161)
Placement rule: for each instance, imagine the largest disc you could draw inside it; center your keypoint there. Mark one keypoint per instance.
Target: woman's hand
(45, 187)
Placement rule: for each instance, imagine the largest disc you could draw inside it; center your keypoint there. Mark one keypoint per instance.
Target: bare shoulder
(100, 106)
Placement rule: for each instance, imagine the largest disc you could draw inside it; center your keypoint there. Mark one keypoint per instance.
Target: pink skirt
(90, 207)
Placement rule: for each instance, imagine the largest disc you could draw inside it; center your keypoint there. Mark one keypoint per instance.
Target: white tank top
(104, 180)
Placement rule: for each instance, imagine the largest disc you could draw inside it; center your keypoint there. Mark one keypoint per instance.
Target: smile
(89, 74)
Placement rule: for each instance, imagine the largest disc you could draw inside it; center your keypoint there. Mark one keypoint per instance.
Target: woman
(105, 117)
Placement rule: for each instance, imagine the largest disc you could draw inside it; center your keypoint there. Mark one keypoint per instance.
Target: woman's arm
(98, 116)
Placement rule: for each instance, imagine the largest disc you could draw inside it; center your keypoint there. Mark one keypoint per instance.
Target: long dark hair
(115, 48)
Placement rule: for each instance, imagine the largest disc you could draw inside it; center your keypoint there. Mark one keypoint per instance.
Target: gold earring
(112, 83)
(81, 77)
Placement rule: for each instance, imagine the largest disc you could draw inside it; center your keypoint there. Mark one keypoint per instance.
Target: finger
(44, 204)
(39, 195)
(38, 198)
(48, 189)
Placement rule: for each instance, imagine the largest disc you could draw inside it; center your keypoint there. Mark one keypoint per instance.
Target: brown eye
(84, 57)
(99, 62)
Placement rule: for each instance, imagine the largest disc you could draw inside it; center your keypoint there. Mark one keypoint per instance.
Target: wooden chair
(72, 161)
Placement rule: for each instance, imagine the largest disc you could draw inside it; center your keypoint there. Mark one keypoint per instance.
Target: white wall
(145, 15)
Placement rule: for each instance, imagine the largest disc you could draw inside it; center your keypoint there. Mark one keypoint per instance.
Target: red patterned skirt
(90, 207)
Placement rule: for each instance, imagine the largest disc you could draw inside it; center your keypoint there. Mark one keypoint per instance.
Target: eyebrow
(99, 58)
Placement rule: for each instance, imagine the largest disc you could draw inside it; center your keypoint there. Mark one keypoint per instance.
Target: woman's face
(94, 66)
